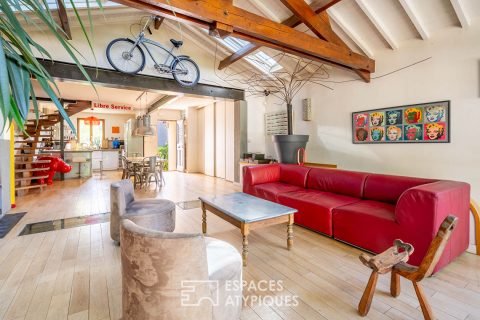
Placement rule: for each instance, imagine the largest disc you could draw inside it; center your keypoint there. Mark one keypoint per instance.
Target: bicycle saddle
(176, 43)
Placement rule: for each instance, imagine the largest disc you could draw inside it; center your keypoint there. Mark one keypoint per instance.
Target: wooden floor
(75, 273)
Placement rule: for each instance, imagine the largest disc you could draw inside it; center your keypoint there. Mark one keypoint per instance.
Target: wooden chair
(395, 260)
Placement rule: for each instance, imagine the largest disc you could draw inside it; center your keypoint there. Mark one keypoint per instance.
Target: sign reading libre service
(111, 106)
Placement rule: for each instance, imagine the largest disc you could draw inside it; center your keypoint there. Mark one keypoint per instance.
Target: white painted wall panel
(230, 141)
(220, 139)
(209, 155)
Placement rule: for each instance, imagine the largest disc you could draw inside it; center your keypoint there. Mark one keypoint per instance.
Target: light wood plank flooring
(75, 273)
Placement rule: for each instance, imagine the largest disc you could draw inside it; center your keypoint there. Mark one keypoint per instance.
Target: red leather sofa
(367, 210)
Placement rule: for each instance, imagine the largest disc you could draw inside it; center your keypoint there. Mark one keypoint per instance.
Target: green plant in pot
(19, 52)
(285, 84)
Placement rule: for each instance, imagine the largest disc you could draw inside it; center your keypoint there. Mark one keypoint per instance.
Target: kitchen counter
(108, 157)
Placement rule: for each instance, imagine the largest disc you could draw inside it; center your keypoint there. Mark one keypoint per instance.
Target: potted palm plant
(19, 65)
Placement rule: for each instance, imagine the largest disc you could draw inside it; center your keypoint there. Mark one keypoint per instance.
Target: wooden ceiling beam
(320, 25)
(62, 14)
(257, 28)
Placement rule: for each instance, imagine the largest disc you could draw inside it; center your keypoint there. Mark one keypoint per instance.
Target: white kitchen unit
(109, 158)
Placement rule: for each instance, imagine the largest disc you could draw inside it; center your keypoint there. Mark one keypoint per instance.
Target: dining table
(137, 164)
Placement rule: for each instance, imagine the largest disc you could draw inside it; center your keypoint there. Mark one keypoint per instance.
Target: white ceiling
(367, 26)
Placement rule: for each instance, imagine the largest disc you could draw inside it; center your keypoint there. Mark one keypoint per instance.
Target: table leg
(290, 232)
(204, 219)
(245, 231)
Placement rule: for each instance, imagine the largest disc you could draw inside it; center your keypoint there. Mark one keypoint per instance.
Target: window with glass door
(91, 131)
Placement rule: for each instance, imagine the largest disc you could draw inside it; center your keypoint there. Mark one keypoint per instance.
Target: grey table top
(247, 208)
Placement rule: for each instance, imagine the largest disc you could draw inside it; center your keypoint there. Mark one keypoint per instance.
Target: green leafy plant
(19, 63)
(163, 153)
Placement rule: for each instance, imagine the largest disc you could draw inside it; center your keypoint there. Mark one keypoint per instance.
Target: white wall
(209, 126)
(230, 140)
(191, 141)
(256, 123)
(107, 32)
(200, 139)
(451, 74)
(111, 120)
(220, 139)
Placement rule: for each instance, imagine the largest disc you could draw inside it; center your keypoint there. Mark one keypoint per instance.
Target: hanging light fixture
(93, 121)
(143, 123)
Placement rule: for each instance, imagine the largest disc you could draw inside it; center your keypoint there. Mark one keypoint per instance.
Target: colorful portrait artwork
(435, 131)
(413, 132)
(361, 134)
(419, 123)
(377, 119)
(413, 115)
(435, 113)
(394, 133)
(361, 120)
(394, 117)
(377, 134)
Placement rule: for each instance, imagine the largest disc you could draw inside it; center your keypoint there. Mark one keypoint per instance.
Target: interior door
(180, 145)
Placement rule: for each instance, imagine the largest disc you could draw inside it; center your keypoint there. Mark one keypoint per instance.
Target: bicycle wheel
(123, 58)
(185, 72)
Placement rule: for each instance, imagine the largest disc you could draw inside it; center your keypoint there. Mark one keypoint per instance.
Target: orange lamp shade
(92, 121)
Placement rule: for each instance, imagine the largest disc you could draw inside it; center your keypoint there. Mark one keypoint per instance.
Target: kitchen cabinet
(109, 157)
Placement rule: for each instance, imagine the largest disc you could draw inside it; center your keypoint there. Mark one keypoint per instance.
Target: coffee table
(247, 212)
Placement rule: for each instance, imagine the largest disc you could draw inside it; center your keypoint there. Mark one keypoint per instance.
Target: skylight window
(259, 59)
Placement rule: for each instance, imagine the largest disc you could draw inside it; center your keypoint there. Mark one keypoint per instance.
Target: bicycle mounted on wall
(127, 56)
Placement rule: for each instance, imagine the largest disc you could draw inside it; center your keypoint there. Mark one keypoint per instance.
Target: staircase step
(30, 170)
(33, 141)
(31, 148)
(25, 155)
(30, 178)
(32, 186)
(32, 162)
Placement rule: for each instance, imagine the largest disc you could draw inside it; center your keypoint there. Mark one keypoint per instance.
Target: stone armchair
(178, 276)
(157, 214)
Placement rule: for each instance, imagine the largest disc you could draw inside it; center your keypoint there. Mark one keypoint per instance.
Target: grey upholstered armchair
(178, 276)
(157, 214)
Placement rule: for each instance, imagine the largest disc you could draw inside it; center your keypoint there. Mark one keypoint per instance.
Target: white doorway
(181, 145)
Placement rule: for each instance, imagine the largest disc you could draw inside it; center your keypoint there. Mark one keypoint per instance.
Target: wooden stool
(385, 262)
(381, 264)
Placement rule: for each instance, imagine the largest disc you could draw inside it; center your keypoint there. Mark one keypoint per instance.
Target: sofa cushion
(367, 224)
(294, 174)
(271, 191)
(314, 207)
(387, 188)
(348, 183)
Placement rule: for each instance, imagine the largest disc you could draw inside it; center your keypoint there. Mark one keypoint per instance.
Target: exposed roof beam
(318, 24)
(408, 7)
(328, 5)
(349, 30)
(160, 102)
(375, 19)
(238, 55)
(62, 14)
(313, 21)
(461, 14)
(254, 28)
(293, 21)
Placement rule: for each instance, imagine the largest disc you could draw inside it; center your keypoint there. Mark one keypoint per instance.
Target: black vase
(287, 145)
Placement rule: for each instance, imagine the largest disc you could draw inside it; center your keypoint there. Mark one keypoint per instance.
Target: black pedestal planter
(286, 146)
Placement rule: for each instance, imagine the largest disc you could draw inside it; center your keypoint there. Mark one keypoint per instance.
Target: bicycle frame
(142, 40)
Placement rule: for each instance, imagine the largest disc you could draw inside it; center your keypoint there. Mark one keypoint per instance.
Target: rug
(8, 222)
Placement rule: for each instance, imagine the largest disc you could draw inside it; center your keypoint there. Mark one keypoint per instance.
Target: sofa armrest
(253, 175)
(427, 205)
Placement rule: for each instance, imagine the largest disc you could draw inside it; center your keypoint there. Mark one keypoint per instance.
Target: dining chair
(160, 166)
(149, 171)
(131, 170)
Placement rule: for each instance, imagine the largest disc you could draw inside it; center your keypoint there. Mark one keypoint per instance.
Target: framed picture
(413, 123)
